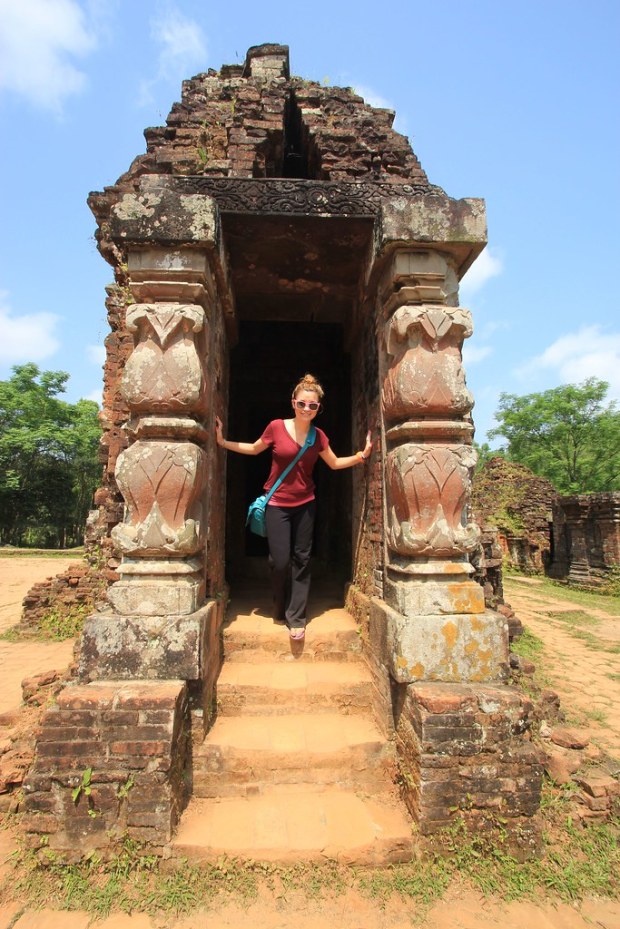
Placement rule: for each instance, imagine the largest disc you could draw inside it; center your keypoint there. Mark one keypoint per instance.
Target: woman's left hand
(368, 446)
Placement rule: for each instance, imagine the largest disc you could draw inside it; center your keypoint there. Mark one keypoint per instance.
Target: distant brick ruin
(586, 539)
(517, 503)
(276, 226)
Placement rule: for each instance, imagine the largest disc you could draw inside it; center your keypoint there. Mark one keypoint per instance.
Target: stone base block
(416, 596)
(457, 647)
(149, 647)
(110, 761)
(465, 756)
(157, 596)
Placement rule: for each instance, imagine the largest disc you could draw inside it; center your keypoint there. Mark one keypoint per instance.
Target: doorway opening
(266, 364)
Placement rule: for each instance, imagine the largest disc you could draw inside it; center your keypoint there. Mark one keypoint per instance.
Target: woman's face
(301, 403)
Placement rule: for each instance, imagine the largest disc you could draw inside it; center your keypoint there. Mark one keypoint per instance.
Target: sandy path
(579, 674)
(17, 575)
(586, 676)
(23, 659)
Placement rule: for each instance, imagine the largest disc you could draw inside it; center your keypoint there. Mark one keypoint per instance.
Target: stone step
(330, 636)
(294, 824)
(277, 688)
(247, 755)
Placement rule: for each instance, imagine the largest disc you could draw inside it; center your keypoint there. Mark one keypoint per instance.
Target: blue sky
(516, 102)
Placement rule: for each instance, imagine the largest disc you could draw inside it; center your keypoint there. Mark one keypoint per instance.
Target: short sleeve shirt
(298, 486)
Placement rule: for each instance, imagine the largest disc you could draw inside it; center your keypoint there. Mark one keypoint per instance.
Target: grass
(59, 623)
(528, 645)
(7, 551)
(599, 601)
(575, 618)
(578, 862)
(597, 716)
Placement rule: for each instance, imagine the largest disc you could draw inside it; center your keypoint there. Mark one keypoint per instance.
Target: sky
(514, 102)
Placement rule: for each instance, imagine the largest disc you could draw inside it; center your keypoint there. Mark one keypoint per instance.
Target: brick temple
(276, 226)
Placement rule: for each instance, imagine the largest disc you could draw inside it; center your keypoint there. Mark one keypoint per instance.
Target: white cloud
(590, 352)
(474, 353)
(96, 354)
(182, 46)
(30, 337)
(372, 98)
(38, 40)
(488, 264)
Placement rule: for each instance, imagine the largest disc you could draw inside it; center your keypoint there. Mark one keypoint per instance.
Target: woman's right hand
(219, 437)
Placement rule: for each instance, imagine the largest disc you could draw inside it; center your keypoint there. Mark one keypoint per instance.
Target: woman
(290, 511)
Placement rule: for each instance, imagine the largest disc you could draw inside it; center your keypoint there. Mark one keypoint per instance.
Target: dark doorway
(267, 362)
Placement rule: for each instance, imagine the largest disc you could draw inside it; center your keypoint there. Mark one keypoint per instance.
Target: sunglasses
(313, 406)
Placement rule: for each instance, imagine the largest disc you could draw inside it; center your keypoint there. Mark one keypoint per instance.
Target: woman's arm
(348, 461)
(244, 448)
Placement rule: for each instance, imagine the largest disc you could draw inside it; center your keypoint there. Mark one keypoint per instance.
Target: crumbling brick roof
(254, 120)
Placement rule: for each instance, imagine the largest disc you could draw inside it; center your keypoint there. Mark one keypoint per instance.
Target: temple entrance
(296, 282)
(267, 362)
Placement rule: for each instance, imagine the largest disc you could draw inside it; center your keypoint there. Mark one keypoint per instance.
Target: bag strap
(307, 444)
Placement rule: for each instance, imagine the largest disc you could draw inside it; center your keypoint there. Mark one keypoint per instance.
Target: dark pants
(289, 533)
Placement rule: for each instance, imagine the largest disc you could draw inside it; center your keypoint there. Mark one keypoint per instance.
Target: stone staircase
(294, 767)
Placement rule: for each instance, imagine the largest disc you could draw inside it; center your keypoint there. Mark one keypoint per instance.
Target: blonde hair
(308, 382)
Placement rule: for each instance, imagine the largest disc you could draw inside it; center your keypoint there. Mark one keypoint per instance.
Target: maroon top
(298, 486)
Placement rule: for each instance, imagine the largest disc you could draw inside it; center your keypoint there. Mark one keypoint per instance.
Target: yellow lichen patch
(476, 624)
(471, 648)
(417, 671)
(450, 633)
(401, 663)
(466, 598)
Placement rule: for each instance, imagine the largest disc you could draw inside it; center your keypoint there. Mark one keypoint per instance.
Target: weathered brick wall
(586, 538)
(463, 756)
(368, 564)
(73, 593)
(134, 740)
(511, 498)
(240, 122)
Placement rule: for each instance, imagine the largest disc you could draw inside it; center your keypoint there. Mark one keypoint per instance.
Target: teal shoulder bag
(256, 520)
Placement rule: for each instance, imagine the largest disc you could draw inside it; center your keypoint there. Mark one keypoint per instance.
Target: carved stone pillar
(437, 627)
(162, 475)
(158, 624)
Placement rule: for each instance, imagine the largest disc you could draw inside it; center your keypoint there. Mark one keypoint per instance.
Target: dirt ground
(581, 657)
(586, 677)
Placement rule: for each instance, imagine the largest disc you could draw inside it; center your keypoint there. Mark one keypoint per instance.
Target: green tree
(485, 453)
(566, 434)
(48, 459)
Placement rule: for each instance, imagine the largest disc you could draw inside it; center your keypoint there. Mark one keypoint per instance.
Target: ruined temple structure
(276, 226)
(586, 539)
(516, 502)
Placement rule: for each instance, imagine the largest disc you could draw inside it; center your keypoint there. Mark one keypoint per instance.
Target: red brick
(140, 748)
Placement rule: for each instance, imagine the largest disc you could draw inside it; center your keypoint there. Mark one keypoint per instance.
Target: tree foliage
(48, 460)
(567, 435)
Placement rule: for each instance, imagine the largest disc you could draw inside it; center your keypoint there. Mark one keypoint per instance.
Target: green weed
(61, 623)
(527, 645)
(575, 618)
(577, 862)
